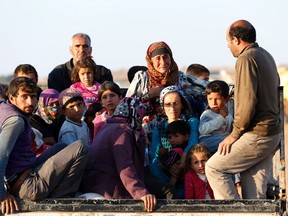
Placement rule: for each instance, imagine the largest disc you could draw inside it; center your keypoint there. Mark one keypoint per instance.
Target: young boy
(73, 107)
(199, 71)
(215, 122)
(178, 135)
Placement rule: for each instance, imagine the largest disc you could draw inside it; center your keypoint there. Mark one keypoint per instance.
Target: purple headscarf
(47, 97)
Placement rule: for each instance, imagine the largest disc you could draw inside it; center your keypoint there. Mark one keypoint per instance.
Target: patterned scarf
(133, 111)
(155, 77)
(46, 112)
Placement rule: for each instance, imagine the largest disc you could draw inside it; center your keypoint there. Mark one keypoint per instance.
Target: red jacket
(195, 187)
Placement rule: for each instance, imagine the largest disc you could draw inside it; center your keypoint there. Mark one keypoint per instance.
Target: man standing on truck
(27, 177)
(249, 148)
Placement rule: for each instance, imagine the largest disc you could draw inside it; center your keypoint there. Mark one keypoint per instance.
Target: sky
(38, 32)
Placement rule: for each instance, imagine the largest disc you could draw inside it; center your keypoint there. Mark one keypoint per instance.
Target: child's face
(74, 111)
(216, 101)
(86, 76)
(198, 162)
(109, 101)
(204, 76)
(178, 139)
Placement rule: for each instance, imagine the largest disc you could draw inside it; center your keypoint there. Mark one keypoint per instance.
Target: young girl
(109, 95)
(84, 77)
(196, 184)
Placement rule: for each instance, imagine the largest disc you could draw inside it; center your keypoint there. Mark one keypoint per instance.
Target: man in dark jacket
(59, 77)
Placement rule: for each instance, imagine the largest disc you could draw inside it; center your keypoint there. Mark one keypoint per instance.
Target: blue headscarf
(186, 110)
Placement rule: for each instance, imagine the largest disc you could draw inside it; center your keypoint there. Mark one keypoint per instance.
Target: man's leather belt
(19, 181)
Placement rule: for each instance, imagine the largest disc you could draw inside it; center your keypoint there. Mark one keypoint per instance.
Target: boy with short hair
(178, 135)
(215, 122)
(27, 70)
(198, 71)
(73, 107)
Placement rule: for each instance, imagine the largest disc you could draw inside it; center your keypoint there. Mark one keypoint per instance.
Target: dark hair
(197, 70)
(86, 62)
(244, 30)
(25, 83)
(133, 70)
(178, 126)
(26, 69)
(200, 147)
(108, 85)
(218, 86)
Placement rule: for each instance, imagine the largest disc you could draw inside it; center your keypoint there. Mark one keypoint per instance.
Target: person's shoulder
(62, 67)
(118, 124)
(103, 68)
(208, 112)
(193, 122)
(141, 74)
(19, 120)
(100, 118)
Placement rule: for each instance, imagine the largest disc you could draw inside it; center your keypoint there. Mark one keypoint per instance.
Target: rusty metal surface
(80, 205)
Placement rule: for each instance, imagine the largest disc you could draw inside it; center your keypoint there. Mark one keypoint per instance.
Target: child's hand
(162, 151)
(224, 111)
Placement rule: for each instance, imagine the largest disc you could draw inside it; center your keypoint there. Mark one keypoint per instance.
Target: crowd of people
(172, 136)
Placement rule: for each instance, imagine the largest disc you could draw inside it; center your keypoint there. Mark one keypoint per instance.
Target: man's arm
(11, 129)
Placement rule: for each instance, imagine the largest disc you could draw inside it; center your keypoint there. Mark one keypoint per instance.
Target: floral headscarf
(131, 109)
(47, 113)
(187, 111)
(156, 78)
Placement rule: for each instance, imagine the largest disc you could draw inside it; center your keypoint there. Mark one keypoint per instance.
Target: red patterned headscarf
(156, 78)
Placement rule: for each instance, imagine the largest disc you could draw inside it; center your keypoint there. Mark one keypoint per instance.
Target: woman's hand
(149, 202)
(9, 204)
(155, 91)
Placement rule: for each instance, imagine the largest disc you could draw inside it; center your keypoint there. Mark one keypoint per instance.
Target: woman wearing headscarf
(175, 106)
(162, 72)
(46, 117)
(116, 157)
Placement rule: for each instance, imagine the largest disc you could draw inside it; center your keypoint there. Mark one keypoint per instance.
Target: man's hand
(149, 202)
(225, 146)
(9, 204)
